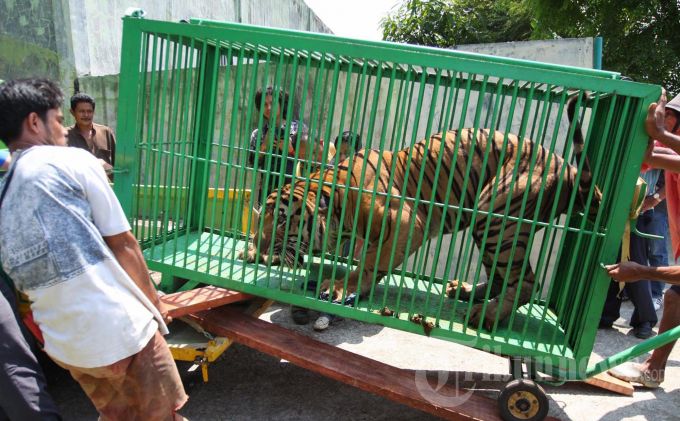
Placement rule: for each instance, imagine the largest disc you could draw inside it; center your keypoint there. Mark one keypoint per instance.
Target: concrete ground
(248, 385)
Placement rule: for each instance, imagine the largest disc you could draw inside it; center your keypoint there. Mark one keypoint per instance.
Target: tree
(447, 23)
(641, 37)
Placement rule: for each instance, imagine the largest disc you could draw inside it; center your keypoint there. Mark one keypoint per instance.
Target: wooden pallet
(206, 307)
(199, 299)
(355, 370)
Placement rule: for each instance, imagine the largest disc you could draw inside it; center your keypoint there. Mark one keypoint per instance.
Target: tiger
(298, 202)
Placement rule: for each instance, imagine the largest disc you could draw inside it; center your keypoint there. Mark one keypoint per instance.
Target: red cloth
(33, 327)
(673, 204)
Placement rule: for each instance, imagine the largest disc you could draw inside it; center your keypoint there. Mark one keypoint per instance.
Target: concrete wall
(97, 51)
(570, 51)
(69, 39)
(34, 41)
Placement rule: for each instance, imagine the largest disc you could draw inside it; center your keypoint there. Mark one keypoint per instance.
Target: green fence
(502, 202)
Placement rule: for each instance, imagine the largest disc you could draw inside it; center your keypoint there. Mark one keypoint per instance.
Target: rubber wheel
(523, 400)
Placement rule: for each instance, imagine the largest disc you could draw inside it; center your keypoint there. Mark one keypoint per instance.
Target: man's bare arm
(631, 272)
(655, 125)
(124, 246)
(663, 161)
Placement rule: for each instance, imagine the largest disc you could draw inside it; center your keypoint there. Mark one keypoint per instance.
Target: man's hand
(163, 309)
(625, 271)
(656, 117)
(649, 203)
(107, 167)
(128, 254)
(649, 152)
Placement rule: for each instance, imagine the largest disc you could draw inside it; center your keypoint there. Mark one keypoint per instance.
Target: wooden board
(199, 299)
(608, 382)
(355, 370)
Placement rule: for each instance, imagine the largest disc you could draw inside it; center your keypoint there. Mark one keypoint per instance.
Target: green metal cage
(186, 177)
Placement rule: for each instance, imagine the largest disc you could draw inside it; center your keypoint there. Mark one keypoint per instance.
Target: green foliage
(446, 23)
(641, 37)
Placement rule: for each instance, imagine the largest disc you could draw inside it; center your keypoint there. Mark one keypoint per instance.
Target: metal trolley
(186, 178)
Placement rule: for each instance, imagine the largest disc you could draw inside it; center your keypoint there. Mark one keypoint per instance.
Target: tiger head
(288, 227)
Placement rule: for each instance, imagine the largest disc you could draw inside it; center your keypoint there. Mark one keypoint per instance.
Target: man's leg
(651, 372)
(670, 318)
(640, 293)
(658, 250)
(23, 389)
(143, 386)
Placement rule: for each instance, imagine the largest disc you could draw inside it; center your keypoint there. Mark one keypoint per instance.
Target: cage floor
(211, 259)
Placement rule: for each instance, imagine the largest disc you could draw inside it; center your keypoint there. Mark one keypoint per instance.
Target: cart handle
(647, 236)
(563, 375)
(635, 351)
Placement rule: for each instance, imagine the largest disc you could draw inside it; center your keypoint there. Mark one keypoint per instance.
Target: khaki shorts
(144, 386)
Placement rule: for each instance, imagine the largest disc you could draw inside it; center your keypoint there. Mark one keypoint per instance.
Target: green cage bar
(198, 156)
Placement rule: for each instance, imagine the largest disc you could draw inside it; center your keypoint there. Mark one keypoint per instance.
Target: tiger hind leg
(501, 305)
(476, 292)
(507, 272)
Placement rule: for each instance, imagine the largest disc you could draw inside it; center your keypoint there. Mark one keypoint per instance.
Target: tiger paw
(249, 254)
(465, 290)
(335, 294)
(489, 315)
(331, 293)
(326, 292)
(324, 295)
(349, 299)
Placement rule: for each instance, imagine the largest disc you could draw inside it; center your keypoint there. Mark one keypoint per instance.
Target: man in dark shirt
(98, 139)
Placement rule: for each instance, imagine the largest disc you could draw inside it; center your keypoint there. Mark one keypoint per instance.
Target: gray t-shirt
(56, 210)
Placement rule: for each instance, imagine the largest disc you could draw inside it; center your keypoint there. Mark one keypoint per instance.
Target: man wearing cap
(663, 125)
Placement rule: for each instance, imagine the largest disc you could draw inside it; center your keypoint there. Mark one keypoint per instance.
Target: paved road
(248, 385)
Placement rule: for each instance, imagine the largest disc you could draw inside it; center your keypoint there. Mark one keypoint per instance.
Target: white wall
(567, 51)
(96, 26)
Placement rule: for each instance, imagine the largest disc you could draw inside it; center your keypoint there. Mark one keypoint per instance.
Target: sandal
(324, 321)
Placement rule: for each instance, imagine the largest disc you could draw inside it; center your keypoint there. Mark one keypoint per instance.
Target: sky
(353, 18)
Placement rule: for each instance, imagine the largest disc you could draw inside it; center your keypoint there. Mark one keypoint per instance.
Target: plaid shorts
(144, 386)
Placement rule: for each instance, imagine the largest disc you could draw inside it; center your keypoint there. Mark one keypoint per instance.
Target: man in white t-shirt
(66, 243)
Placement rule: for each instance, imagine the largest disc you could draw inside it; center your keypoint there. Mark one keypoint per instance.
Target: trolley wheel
(523, 400)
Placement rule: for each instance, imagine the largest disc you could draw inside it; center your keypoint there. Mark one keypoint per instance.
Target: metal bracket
(135, 12)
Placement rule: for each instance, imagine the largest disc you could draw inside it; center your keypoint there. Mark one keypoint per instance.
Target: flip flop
(324, 321)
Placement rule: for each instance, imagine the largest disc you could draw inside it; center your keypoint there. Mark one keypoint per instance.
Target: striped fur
(398, 174)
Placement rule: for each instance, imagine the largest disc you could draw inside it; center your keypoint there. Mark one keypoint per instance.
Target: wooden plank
(258, 306)
(199, 299)
(608, 382)
(355, 370)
